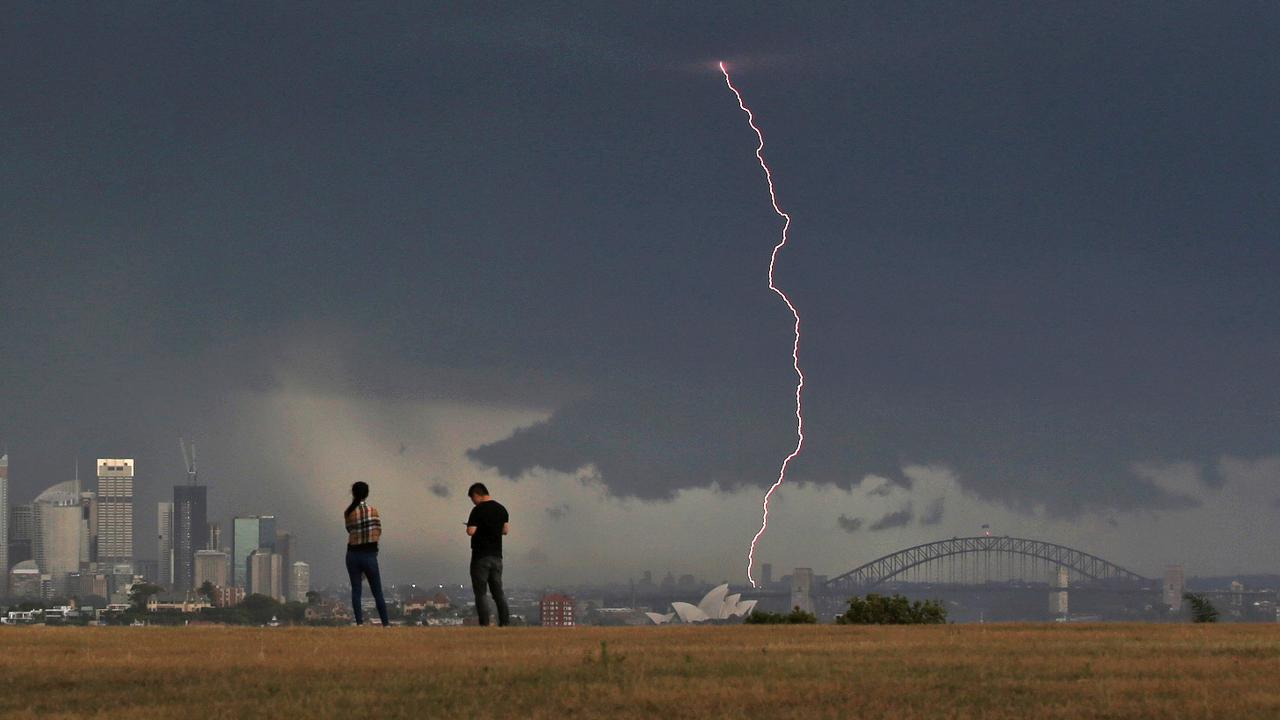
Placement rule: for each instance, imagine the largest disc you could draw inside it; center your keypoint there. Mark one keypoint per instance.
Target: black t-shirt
(488, 518)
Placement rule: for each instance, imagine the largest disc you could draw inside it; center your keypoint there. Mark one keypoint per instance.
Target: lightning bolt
(795, 346)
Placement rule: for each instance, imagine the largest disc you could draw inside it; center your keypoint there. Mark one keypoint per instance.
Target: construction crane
(189, 459)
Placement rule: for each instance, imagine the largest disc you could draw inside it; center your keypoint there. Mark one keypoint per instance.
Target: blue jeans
(486, 572)
(364, 564)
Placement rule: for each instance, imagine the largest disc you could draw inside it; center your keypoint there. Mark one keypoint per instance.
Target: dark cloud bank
(1036, 250)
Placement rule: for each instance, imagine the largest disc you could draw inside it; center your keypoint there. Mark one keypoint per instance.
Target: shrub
(795, 617)
(896, 610)
(1202, 611)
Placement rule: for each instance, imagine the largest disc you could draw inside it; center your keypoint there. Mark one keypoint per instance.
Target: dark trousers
(364, 564)
(486, 573)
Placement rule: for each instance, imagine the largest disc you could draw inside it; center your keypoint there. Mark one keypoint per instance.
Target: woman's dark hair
(359, 491)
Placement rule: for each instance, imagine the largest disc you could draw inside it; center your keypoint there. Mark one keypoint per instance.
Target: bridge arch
(885, 568)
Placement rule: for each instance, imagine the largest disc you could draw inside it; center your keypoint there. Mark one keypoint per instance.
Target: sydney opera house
(716, 605)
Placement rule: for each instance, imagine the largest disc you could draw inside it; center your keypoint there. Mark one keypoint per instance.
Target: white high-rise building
(4, 525)
(266, 574)
(212, 566)
(115, 511)
(301, 582)
(56, 538)
(164, 541)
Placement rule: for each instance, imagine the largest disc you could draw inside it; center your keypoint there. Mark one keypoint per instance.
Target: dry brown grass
(969, 671)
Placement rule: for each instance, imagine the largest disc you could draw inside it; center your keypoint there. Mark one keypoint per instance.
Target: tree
(795, 617)
(294, 612)
(208, 590)
(895, 610)
(260, 608)
(141, 592)
(1202, 611)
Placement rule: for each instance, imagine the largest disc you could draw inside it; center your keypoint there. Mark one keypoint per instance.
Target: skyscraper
(249, 534)
(284, 547)
(215, 536)
(56, 545)
(299, 582)
(4, 524)
(211, 567)
(115, 513)
(164, 541)
(190, 532)
(88, 528)
(22, 534)
(266, 574)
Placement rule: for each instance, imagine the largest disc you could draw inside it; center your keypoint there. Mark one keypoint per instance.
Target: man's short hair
(477, 489)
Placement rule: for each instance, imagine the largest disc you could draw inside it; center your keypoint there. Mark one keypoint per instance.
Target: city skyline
(79, 542)
(933, 484)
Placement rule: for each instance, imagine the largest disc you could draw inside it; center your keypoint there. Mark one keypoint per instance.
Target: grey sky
(1034, 248)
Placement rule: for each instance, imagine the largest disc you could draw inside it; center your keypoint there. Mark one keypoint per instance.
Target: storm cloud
(933, 514)
(1030, 248)
(849, 524)
(896, 519)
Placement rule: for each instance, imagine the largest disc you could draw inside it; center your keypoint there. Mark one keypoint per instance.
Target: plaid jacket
(363, 525)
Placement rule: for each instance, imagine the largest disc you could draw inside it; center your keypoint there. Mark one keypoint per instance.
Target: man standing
(486, 526)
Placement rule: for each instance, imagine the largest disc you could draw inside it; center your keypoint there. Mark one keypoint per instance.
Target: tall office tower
(56, 536)
(115, 512)
(4, 524)
(299, 582)
(164, 541)
(22, 533)
(190, 533)
(284, 547)
(249, 534)
(88, 529)
(211, 566)
(244, 540)
(267, 532)
(215, 536)
(266, 574)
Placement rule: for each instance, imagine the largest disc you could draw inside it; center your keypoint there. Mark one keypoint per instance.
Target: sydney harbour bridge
(983, 560)
(992, 576)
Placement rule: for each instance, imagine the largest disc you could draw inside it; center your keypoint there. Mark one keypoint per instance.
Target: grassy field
(957, 671)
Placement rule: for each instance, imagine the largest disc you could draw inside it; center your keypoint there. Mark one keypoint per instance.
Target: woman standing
(364, 527)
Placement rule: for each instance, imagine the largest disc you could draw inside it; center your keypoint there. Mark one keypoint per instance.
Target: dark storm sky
(1035, 244)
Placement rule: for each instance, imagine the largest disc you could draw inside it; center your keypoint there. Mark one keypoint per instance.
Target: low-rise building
(225, 597)
(24, 581)
(557, 610)
(185, 605)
